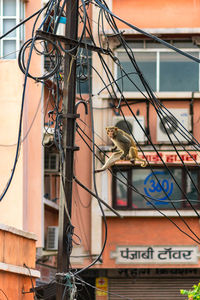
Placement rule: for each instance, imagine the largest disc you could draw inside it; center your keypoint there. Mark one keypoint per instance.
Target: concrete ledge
(19, 270)
(19, 232)
(151, 213)
(186, 30)
(160, 95)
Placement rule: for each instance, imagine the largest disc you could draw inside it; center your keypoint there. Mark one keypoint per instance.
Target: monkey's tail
(99, 170)
(143, 162)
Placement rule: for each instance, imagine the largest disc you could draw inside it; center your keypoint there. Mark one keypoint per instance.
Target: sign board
(169, 157)
(155, 255)
(101, 286)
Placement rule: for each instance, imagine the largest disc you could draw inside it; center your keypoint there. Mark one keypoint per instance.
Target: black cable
(54, 49)
(4, 294)
(24, 21)
(174, 181)
(147, 34)
(20, 126)
(97, 196)
(48, 6)
(58, 17)
(71, 50)
(107, 292)
(148, 199)
(150, 93)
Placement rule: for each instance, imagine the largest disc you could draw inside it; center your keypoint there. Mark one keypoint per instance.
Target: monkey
(125, 146)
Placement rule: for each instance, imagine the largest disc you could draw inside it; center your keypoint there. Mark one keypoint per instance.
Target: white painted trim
(42, 169)
(19, 270)
(19, 232)
(186, 30)
(157, 71)
(150, 213)
(51, 204)
(17, 37)
(104, 186)
(160, 95)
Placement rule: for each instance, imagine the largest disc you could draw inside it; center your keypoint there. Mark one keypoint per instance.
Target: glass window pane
(178, 73)
(147, 64)
(134, 45)
(154, 44)
(138, 176)
(158, 190)
(122, 195)
(9, 7)
(83, 87)
(9, 49)
(191, 190)
(185, 44)
(7, 25)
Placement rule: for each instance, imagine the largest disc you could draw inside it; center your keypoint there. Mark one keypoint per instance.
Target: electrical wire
(110, 84)
(107, 292)
(31, 44)
(148, 199)
(97, 196)
(150, 94)
(47, 44)
(105, 8)
(31, 278)
(4, 294)
(20, 126)
(81, 222)
(29, 129)
(24, 21)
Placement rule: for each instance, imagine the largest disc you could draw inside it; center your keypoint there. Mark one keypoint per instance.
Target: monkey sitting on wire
(125, 147)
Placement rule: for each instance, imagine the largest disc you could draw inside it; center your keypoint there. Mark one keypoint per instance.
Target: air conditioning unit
(51, 162)
(52, 238)
(133, 126)
(181, 116)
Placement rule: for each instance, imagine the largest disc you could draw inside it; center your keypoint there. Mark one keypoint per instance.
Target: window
(160, 190)
(52, 174)
(51, 162)
(164, 69)
(10, 11)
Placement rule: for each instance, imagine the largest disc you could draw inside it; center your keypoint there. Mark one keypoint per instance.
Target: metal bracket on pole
(73, 148)
(71, 116)
(71, 42)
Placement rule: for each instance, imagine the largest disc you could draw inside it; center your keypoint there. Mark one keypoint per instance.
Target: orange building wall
(33, 151)
(81, 216)
(16, 249)
(149, 231)
(168, 104)
(158, 14)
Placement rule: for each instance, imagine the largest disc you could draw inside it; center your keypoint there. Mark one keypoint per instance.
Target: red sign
(170, 157)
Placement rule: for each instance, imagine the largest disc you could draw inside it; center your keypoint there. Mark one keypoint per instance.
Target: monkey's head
(111, 131)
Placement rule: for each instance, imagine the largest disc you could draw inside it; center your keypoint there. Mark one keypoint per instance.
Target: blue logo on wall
(159, 189)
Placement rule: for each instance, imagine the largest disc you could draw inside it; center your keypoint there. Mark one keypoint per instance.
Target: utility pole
(69, 117)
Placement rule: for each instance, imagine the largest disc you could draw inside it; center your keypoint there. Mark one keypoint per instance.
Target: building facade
(142, 246)
(149, 242)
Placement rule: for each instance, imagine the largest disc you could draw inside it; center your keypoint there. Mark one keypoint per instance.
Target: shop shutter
(149, 288)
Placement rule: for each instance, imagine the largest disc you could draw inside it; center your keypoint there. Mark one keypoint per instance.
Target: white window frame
(49, 156)
(157, 51)
(7, 38)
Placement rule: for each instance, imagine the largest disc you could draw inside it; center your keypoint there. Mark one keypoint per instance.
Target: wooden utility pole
(69, 118)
